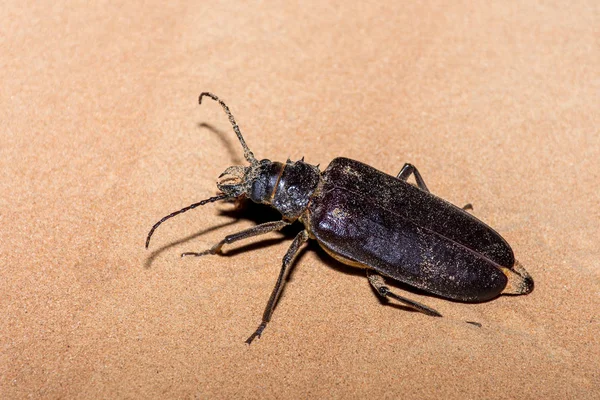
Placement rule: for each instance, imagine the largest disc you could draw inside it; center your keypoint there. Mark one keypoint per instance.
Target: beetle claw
(257, 333)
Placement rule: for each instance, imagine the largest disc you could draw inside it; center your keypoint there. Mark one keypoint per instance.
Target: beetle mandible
(368, 219)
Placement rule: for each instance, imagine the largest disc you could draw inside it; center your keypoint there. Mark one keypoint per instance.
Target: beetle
(368, 219)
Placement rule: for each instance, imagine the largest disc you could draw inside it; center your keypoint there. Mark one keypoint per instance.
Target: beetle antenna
(201, 203)
(248, 155)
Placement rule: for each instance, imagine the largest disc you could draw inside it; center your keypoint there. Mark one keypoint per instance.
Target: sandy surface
(496, 105)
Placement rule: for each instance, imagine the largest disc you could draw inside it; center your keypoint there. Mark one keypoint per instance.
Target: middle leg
(300, 239)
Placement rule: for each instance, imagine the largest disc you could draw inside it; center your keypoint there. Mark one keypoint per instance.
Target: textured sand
(497, 104)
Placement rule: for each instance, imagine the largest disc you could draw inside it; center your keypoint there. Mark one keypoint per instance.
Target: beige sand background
(495, 102)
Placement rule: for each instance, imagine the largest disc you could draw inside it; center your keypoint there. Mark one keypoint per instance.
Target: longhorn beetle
(368, 219)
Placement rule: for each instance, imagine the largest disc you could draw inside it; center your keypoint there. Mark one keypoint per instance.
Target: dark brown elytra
(368, 219)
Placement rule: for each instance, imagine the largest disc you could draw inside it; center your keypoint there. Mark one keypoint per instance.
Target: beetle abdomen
(359, 230)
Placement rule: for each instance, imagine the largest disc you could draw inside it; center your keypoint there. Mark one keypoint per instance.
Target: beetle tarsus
(191, 253)
(257, 333)
(468, 206)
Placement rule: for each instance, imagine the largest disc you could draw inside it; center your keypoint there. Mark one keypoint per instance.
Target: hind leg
(378, 283)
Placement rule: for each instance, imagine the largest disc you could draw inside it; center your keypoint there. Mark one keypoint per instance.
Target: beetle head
(257, 181)
(253, 181)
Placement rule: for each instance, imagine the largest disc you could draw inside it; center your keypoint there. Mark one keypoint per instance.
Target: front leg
(254, 231)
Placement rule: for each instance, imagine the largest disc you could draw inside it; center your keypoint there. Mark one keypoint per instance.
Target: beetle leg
(378, 283)
(409, 169)
(254, 231)
(300, 239)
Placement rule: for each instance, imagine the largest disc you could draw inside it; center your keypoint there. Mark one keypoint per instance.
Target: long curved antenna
(248, 155)
(201, 203)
